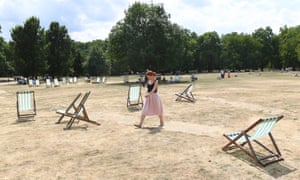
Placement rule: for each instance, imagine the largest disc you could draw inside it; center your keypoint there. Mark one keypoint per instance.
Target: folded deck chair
(259, 129)
(70, 109)
(80, 113)
(134, 96)
(186, 94)
(26, 106)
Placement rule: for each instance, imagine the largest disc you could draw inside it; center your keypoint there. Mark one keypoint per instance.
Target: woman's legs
(142, 121)
(161, 120)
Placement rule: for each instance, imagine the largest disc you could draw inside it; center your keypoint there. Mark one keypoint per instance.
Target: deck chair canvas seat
(259, 129)
(186, 94)
(134, 96)
(80, 113)
(26, 106)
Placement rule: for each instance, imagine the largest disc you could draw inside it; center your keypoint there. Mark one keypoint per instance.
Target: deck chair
(186, 94)
(80, 113)
(259, 129)
(30, 83)
(26, 106)
(48, 83)
(134, 96)
(56, 82)
(37, 83)
(70, 109)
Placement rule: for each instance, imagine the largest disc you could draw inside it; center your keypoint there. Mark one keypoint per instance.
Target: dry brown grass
(188, 148)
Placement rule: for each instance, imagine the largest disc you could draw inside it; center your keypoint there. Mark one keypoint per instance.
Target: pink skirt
(152, 105)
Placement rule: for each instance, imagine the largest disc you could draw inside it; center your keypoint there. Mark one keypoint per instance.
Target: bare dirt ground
(189, 147)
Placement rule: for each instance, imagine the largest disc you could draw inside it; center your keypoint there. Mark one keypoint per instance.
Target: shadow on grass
(275, 170)
(153, 130)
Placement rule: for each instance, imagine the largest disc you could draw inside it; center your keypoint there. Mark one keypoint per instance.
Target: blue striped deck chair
(257, 130)
(26, 106)
(80, 113)
(187, 94)
(134, 96)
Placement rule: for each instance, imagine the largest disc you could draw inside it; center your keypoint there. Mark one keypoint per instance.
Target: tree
(5, 66)
(139, 41)
(29, 43)
(77, 66)
(58, 50)
(289, 39)
(266, 38)
(97, 65)
(209, 51)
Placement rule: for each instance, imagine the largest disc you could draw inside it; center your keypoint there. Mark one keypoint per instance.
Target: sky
(88, 20)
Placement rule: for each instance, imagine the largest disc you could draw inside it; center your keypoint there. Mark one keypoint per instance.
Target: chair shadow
(134, 108)
(275, 170)
(153, 130)
(76, 127)
(24, 120)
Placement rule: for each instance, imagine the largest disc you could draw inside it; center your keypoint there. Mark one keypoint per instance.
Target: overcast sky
(87, 20)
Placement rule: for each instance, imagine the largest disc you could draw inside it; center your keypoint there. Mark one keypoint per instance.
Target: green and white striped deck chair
(258, 130)
(187, 94)
(134, 96)
(26, 106)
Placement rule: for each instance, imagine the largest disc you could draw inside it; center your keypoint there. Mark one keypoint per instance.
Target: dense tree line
(144, 39)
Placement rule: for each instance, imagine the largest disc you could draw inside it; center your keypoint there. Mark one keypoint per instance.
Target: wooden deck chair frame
(71, 108)
(134, 97)
(186, 94)
(26, 105)
(260, 128)
(80, 113)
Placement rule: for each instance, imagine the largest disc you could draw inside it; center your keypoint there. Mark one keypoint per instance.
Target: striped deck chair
(37, 83)
(48, 83)
(134, 96)
(56, 82)
(186, 94)
(259, 129)
(26, 106)
(80, 113)
(30, 83)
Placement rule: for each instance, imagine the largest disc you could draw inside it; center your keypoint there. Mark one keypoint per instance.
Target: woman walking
(152, 105)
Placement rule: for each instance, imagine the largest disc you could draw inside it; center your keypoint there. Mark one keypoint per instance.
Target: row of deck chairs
(247, 140)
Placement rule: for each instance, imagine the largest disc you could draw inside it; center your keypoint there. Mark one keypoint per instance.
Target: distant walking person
(153, 104)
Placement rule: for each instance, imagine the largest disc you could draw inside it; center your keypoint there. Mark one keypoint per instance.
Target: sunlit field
(189, 147)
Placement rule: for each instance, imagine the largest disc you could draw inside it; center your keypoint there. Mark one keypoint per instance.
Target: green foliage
(289, 40)
(97, 65)
(209, 49)
(58, 50)
(28, 42)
